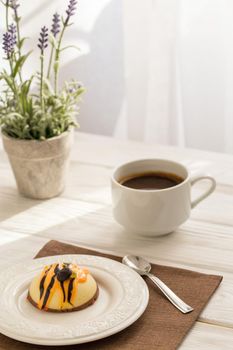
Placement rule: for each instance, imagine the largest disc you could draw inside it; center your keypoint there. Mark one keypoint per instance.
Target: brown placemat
(161, 327)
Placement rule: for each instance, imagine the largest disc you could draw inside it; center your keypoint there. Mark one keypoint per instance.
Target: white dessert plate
(123, 297)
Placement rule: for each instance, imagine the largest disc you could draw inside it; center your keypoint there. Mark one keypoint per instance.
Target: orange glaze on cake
(68, 288)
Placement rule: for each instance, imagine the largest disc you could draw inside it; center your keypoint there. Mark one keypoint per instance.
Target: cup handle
(210, 189)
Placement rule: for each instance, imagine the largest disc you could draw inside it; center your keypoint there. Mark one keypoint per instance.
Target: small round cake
(63, 287)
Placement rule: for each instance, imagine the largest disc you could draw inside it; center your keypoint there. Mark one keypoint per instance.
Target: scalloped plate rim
(94, 336)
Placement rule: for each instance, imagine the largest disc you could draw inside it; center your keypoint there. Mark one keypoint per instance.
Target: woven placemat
(161, 327)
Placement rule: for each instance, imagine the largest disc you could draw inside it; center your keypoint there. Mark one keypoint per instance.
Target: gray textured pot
(39, 167)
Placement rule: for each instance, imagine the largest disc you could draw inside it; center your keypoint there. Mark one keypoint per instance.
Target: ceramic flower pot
(39, 167)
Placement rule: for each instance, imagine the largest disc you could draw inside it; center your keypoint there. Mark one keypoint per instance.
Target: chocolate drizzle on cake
(63, 291)
(60, 277)
(70, 289)
(42, 286)
(43, 280)
(48, 291)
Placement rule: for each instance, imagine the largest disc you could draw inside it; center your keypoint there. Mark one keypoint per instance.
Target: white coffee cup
(154, 212)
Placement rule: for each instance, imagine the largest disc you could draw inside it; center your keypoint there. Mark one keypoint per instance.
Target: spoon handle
(171, 296)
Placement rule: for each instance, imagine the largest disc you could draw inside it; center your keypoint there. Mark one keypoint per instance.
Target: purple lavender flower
(12, 30)
(8, 44)
(56, 25)
(43, 39)
(71, 10)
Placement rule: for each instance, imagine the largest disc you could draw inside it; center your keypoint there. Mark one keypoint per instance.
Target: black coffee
(152, 181)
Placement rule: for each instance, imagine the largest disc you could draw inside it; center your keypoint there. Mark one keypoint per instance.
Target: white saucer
(123, 297)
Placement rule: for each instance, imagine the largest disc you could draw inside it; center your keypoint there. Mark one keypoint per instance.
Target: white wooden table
(82, 215)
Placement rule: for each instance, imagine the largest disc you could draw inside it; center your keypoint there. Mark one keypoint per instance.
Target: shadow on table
(98, 230)
(90, 224)
(12, 203)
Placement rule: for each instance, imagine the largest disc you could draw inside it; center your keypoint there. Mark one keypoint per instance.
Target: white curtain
(155, 70)
(179, 64)
(154, 109)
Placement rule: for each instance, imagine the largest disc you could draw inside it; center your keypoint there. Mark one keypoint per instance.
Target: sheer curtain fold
(164, 121)
(179, 72)
(153, 93)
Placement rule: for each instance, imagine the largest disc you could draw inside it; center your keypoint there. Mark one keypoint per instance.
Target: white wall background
(155, 70)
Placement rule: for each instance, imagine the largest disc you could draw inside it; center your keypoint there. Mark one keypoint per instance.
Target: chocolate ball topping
(64, 274)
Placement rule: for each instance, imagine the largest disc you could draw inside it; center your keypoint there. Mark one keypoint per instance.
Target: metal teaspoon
(143, 267)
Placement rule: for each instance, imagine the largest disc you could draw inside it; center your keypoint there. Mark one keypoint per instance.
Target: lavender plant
(48, 112)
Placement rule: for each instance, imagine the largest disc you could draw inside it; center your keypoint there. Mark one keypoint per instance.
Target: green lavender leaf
(9, 81)
(70, 47)
(19, 64)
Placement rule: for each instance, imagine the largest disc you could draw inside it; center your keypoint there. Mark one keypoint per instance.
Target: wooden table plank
(15, 247)
(208, 337)
(95, 149)
(212, 242)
